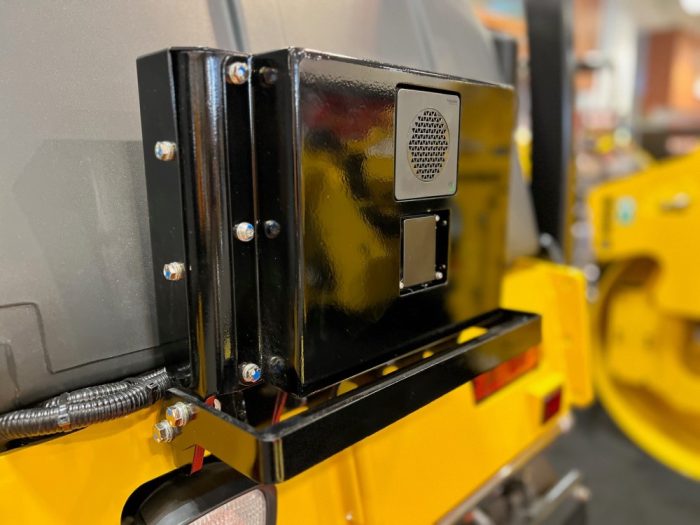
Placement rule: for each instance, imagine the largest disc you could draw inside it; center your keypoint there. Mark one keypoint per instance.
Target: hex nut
(163, 432)
(179, 414)
(165, 150)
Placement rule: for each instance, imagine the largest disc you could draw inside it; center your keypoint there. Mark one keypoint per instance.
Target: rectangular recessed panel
(419, 240)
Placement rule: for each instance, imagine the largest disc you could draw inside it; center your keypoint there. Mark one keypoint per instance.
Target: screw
(179, 414)
(174, 271)
(163, 432)
(237, 73)
(250, 373)
(437, 218)
(439, 275)
(165, 150)
(401, 285)
(269, 75)
(272, 229)
(245, 231)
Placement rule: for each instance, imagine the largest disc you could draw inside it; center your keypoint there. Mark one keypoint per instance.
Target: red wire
(280, 401)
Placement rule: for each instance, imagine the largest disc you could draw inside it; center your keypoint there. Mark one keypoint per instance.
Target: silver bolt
(401, 285)
(439, 275)
(174, 271)
(163, 432)
(179, 414)
(165, 150)
(437, 218)
(250, 373)
(237, 73)
(245, 231)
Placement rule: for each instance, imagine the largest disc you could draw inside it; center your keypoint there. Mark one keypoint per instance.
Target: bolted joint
(164, 432)
(174, 271)
(165, 150)
(237, 73)
(179, 414)
(250, 373)
(244, 231)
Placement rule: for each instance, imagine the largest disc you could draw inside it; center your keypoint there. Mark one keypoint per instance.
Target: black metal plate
(279, 452)
(329, 285)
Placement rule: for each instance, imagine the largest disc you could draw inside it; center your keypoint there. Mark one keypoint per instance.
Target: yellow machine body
(647, 320)
(413, 471)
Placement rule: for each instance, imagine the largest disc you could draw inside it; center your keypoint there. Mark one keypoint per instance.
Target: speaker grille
(428, 144)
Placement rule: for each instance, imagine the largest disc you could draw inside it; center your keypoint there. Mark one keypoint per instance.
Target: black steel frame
(278, 452)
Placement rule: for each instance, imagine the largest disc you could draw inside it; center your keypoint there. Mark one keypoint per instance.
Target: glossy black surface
(309, 144)
(272, 454)
(190, 206)
(330, 300)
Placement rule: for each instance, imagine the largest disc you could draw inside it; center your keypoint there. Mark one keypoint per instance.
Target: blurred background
(636, 133)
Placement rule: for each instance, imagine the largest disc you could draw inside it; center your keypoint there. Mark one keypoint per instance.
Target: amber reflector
(489, 382)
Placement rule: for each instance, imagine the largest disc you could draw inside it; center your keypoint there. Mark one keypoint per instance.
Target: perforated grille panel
(428, 144)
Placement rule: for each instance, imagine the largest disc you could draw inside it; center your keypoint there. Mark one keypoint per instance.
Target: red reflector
(552, 404)
(489, 382)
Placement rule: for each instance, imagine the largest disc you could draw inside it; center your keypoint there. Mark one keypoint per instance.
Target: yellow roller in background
(646, 347)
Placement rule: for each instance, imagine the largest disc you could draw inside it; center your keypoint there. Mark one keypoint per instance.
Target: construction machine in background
(645, 353)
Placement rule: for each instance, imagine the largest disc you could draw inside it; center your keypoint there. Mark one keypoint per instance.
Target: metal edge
(281, 451)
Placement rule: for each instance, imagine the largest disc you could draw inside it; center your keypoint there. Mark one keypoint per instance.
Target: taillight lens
(248, 509)
(489, 382)
(552, 404)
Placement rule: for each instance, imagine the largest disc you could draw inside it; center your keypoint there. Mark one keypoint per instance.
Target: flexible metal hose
(86, 406)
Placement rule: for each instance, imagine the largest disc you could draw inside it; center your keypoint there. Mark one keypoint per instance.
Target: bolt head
(179, 414)
(439, 275)
(245, 231)
(250, 373)
(269, 75)
(237, 73)
(165, 150)
(174, 271)
(272, 229)
(163, 432)
(401, 285)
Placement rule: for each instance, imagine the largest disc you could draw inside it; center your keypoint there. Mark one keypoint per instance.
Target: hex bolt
(174, 271)
(269, 75)
(179, 414)
(272, 229)
(165, 150)
(250, 373)
(163, 432)
(245, 231)
(439, 275)
(237, 73)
